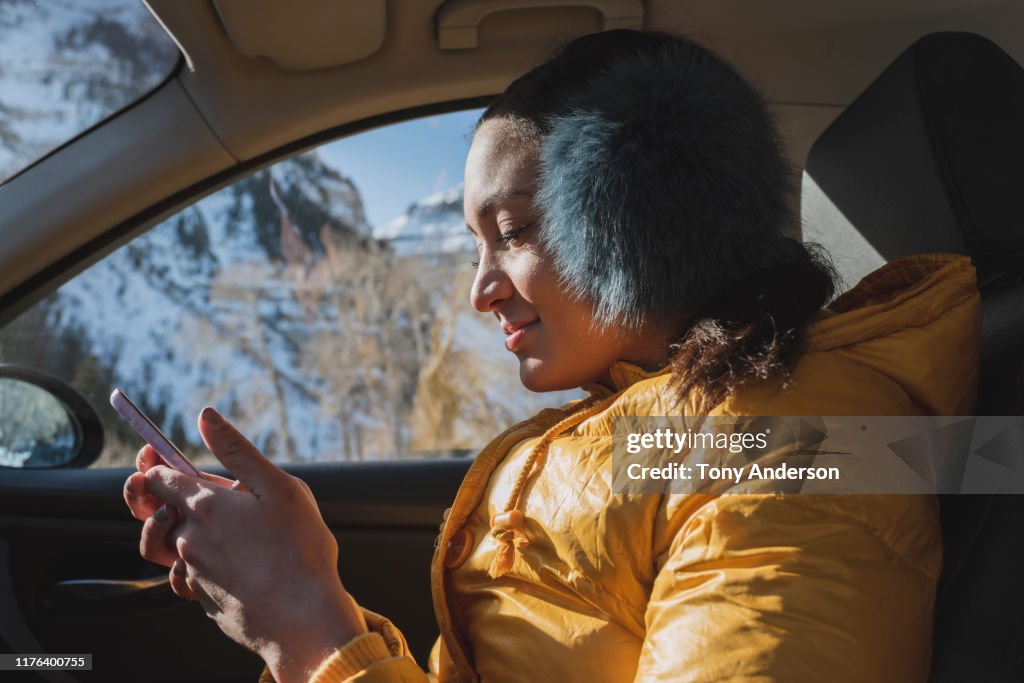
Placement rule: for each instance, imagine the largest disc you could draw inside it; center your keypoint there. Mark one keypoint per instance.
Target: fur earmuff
(661, 182)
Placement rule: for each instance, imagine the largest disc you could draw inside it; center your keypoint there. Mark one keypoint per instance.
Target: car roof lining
(798, 52)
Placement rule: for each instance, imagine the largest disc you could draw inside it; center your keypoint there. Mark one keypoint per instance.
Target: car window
(64, 66)
(321, 303)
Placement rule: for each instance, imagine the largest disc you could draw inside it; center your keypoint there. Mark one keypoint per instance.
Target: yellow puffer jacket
(598, 587)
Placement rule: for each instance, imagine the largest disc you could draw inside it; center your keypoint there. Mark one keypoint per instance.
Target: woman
(629, 202)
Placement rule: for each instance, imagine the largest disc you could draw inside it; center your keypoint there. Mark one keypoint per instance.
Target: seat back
(930, 158)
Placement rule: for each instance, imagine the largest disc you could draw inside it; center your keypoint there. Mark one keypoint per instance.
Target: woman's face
(551, 334)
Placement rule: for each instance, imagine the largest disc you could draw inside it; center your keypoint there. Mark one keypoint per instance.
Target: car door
(72, 582)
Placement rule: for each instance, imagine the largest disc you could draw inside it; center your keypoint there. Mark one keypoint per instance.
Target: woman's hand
(262, 562)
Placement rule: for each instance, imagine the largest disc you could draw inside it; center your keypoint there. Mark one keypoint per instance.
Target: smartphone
(140, 422)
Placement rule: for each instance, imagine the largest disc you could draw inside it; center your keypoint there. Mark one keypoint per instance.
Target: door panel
(59, 529)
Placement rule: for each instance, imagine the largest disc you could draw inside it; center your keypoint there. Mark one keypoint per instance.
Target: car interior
(903, 117)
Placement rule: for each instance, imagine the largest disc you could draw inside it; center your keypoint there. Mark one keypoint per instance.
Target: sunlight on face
(553, 336)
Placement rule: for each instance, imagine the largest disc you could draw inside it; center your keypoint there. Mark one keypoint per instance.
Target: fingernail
(211, 416)
(179, 569)
(162, 514)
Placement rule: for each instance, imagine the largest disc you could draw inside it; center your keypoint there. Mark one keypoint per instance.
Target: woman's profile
(630, 203)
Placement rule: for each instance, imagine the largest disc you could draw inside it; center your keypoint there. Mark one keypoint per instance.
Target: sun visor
(302, 35)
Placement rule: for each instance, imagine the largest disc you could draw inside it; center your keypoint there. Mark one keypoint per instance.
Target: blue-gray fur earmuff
(661, 184)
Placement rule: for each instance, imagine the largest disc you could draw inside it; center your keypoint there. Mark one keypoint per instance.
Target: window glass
(65, 65)
(321, 303)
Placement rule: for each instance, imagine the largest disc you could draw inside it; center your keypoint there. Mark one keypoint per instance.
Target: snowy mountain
(432, 225)
(228, 302)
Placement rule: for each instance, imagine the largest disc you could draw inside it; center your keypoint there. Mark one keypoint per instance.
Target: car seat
(931, 158)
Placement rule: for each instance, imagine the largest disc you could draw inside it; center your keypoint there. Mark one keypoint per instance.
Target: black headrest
(929, 158)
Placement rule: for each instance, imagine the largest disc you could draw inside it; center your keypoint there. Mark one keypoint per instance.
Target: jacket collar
(623, 374)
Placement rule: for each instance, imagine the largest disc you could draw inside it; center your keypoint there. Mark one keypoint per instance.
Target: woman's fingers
(147, 458)
(139, 500)
(186, 584)
(156, 544)
(142, 498)
(179, 584)
(238, 454)
(159, 540)
(176, 488)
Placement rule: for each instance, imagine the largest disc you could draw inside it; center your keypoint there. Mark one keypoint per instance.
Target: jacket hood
(916, 323)
(905, 340)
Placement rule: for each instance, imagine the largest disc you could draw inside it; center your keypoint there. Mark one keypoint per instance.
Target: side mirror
(44, 423)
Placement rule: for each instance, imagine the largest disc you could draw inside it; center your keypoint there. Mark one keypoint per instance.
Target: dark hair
(664, 195)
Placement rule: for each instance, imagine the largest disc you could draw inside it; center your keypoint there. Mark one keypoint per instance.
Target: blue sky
(396, 165)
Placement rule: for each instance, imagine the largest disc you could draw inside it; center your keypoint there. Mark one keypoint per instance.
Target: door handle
(109, 595)
(109, 589)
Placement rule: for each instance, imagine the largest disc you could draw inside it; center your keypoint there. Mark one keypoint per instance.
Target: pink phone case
(145, 428)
